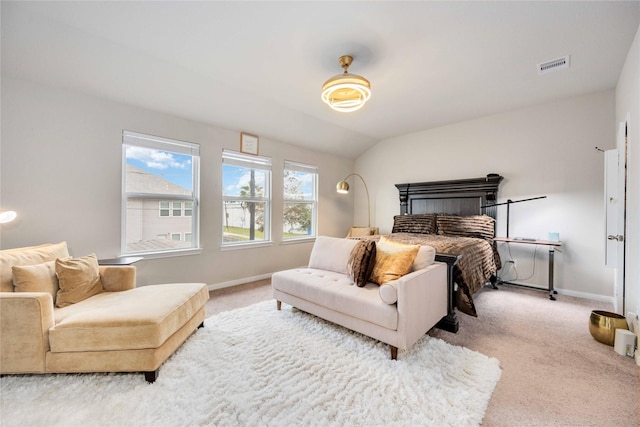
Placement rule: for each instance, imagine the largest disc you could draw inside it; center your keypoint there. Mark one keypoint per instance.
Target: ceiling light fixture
(346, 92)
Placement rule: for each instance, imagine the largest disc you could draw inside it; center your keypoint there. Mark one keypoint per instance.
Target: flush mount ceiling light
(346, 92)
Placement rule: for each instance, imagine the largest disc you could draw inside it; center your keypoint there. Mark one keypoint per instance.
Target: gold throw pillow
(78, 279)
(393, 260)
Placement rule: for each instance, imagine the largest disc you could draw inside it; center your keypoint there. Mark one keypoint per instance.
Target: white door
(615, 199)
(612, 206)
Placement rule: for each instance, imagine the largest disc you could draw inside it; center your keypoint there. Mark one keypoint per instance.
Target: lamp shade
(7, 216)
(342, 187)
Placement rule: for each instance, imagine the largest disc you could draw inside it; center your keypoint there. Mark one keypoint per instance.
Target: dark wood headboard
(455, 197)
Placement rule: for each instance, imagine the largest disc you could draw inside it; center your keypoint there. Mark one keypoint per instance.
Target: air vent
(554, 65)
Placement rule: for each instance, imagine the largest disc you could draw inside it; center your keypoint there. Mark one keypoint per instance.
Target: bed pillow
(419, 223)
(361, 262)
(393, 260)
(480, 226)
(78, 279)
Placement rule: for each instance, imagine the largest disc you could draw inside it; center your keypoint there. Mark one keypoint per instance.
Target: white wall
(61, 171)
(628, 105)
(542, 150)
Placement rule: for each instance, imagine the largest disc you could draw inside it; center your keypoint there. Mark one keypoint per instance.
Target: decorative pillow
(27, 256)
(361, 262)
(388, 293)
(331, 253)
(480, 226)
(36, 278)
(425, 257)
(418, 223)
(393, 260)
(79, 279)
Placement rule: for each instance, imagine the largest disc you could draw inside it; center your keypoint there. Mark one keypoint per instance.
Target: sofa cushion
(27, 256)
(36, 278)
(78, 279)
(331, 253)
(425, 257)
(139, 318)
(361, 262)
(393, 260)
(335, 291)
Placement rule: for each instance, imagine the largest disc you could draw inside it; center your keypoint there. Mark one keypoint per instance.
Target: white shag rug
(257, 366)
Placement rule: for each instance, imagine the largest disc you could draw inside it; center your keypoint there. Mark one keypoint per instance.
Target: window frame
(258, 163)
(173, 146)
(312, 170)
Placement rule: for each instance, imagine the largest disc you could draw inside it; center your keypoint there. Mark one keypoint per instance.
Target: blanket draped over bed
(478, 263)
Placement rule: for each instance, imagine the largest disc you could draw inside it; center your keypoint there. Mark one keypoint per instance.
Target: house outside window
(300, 201)
(161, 179)
(246, 199)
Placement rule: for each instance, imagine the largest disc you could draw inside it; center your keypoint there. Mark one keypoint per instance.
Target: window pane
(244, 221)
(157, 181)
(297, 220)
(300, 200)
(146, 232)
(188, 208)
(244, 182)
(299, 185)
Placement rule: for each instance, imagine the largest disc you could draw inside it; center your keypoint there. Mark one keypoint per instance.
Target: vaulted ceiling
(258, 66)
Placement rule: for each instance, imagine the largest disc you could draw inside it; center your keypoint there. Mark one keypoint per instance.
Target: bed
(457, 218)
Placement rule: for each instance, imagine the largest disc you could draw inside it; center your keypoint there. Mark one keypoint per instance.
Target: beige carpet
(554, 372)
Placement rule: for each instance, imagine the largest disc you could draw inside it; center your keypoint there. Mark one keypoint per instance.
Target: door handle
(619, 238)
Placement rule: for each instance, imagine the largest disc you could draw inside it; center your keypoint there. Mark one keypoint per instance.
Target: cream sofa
(121, 329)
(397, 313)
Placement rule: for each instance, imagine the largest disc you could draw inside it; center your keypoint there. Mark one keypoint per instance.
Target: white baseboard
(594, 297)
(228, 284)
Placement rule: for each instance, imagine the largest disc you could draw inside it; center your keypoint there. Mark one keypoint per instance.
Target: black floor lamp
(509, 202)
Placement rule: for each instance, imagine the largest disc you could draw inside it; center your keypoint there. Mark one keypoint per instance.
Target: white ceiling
(258, 66)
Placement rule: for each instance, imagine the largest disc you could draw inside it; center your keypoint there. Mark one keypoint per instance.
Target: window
(300, 200)
(160, 188)
(246, 199)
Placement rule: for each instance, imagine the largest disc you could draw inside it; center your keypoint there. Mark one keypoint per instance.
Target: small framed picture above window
(248, 143)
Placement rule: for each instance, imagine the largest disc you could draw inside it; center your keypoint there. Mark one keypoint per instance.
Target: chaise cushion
(139, 318)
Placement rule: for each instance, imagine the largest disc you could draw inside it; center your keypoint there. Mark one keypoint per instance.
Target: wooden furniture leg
(394, 352)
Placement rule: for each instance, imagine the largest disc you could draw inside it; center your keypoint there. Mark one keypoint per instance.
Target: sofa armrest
(25, 320)
(117, 278)
(422, 301)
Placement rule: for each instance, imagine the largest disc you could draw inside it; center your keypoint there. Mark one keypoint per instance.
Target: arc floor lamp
(343, 188)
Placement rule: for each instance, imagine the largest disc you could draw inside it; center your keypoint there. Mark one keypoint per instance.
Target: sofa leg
(201, 325)
(394, 352)
(278, 305)
(151, 376)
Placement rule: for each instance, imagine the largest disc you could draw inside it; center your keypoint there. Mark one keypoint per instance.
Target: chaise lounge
(397, 313)
(45, 328)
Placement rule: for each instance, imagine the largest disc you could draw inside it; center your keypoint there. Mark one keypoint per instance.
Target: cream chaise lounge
(397, 313)
(120, 329)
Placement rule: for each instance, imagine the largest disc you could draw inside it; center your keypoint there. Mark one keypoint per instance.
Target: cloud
(157, 159)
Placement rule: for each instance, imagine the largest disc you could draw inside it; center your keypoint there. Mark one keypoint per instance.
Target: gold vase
(603, 325)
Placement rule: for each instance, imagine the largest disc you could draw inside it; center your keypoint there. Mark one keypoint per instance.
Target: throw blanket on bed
(478, 263)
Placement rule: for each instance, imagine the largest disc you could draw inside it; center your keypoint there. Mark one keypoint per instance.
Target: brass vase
(603, 325)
